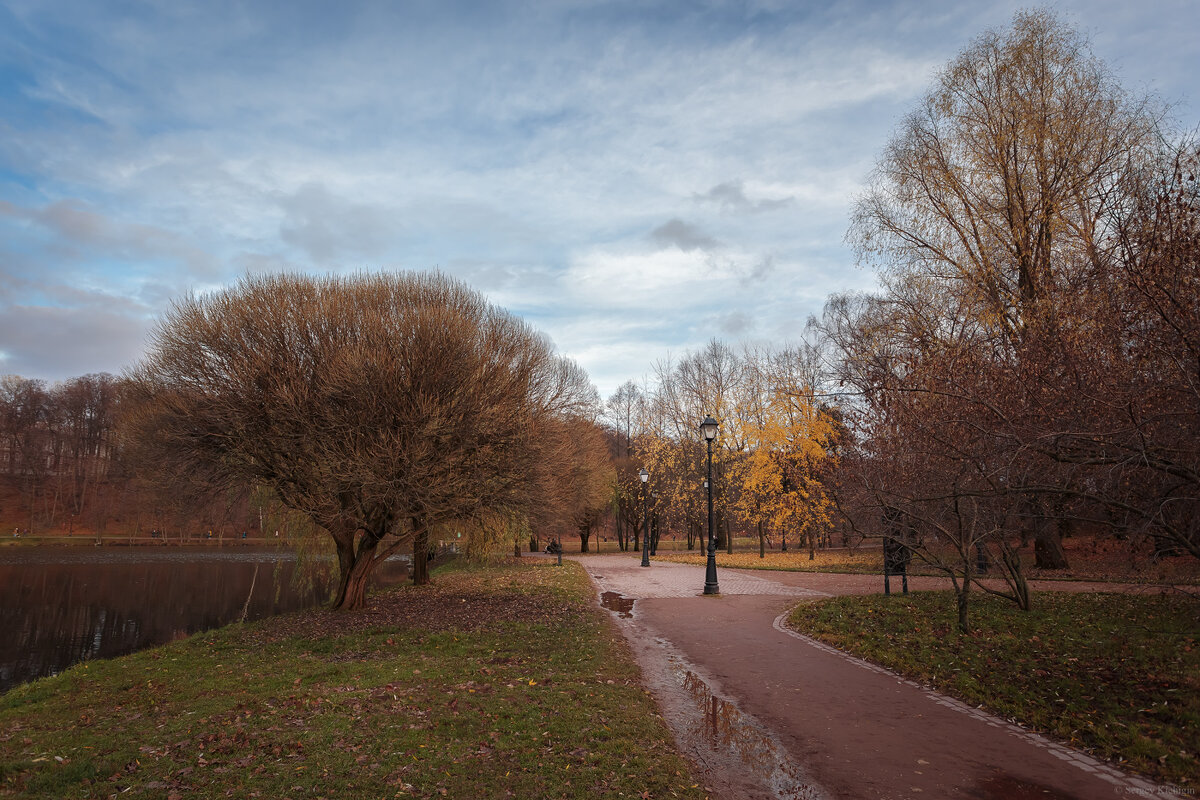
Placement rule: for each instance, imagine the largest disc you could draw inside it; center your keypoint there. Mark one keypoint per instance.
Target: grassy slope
(1115, 674)
(492, 682)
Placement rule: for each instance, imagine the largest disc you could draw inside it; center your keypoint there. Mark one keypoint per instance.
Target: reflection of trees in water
(57, 614)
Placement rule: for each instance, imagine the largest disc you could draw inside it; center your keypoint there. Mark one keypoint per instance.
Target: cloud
(83, 233)
(673, 279)
(731, 197)
(330, 230)
(57, 343)
(663, 280)
(677, 233)
(735, 323)
(759, 270)
(616, 347)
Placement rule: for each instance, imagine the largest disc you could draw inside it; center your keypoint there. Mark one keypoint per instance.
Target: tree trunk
(1010, 559)
(762, 541)
(420, 556)
(353, 569)
(354, 594)
(344, 545)
(1047, 545)
(963, 627)
(585, 533)
(812, 545)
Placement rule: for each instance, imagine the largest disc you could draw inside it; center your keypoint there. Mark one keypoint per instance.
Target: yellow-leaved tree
(782, 483)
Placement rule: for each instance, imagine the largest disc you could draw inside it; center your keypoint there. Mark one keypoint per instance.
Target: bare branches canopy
(1030, 365)
(380, 405)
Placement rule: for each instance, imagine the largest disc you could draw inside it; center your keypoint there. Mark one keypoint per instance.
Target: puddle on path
(718, 725)
(735, 756)
(617, 602)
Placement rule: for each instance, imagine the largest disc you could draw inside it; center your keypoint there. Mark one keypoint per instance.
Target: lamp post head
(709, 428)
(645, 476)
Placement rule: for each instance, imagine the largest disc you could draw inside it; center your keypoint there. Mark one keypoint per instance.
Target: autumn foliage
(771, 460)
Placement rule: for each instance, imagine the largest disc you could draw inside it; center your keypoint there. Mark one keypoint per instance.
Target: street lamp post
(709, 428)
(645, 476)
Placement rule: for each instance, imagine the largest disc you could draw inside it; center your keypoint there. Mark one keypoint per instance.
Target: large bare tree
(994, 208)
(380, 405)
(1003, 182)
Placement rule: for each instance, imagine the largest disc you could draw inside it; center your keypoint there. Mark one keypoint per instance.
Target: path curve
(818, 722)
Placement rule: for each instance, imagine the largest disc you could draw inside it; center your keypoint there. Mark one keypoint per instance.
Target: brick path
(849, 728)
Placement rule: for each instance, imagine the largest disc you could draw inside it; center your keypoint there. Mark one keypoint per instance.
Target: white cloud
(670, 281)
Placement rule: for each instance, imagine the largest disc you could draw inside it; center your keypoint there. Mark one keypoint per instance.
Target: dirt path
(767, 713)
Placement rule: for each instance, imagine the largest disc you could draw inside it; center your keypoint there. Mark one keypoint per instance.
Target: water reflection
(731, 734)
(59, 607)
(614, 601)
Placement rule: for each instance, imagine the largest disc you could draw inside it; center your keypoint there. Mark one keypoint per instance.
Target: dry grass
(858, 562)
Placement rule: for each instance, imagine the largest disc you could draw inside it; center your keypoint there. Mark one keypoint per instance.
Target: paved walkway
(803, 720)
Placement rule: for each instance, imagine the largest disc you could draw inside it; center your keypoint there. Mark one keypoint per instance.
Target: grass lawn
(496, 681)
(1118, 675)
(1090, 561)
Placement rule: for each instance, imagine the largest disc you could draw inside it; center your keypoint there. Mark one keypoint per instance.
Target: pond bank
(491, 680)
(63, 605)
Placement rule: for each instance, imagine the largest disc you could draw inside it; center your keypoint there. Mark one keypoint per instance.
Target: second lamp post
(709, 428)
(645, 476)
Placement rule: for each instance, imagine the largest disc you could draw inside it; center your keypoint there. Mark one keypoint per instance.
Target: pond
(60, 606)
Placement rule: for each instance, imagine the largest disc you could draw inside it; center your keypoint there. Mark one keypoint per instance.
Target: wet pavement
(766, 713)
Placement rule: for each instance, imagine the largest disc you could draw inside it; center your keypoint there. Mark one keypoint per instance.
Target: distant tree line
(64, 470)
(57, 449)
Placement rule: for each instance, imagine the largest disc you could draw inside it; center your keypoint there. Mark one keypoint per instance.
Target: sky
(632, 178)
